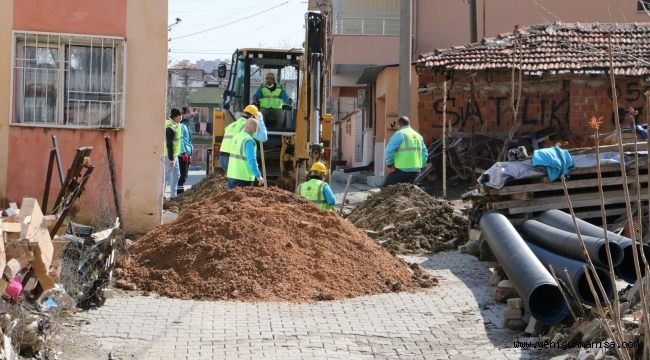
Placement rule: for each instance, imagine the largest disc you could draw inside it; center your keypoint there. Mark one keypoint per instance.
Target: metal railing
(68, 80)
(348, 25)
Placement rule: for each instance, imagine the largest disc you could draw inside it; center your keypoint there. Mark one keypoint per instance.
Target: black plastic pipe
(530, 278)
(576, 273)
(567, 244)
(625, 270)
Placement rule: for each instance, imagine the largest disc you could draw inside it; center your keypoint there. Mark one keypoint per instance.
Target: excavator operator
(272, 100)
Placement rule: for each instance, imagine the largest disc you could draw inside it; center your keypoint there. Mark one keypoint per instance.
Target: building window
(358, 137)
(643, 5)
(64, 80)
(350, 25)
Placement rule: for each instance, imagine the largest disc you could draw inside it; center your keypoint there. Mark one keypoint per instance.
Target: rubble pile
(264, 244)
(37, 283)
(407, 220)
(584, 335)
(211, 185)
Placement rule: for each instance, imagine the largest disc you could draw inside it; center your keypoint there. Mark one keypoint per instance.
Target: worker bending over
(242, 167)
(405, 154)
(234, 128)
(315, 189)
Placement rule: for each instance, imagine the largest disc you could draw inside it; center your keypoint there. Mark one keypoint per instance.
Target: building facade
(83, 70)
(365, 33)
(564, 82)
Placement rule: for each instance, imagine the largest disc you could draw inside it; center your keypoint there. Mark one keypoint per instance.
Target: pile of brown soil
(407, 220)
(264, 244)
(211, 185)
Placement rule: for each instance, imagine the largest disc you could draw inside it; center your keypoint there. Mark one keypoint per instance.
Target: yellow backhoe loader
(300, 134)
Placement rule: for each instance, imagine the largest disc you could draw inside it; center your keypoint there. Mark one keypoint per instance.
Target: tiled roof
(553, 47)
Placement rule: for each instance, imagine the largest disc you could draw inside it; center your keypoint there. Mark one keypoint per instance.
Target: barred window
(65, 80)
(643, 5)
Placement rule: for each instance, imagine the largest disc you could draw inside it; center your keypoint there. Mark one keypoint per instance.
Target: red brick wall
(564, 102)
(95, 17)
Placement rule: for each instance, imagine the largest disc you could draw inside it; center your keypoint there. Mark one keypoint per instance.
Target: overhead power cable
(230, 23)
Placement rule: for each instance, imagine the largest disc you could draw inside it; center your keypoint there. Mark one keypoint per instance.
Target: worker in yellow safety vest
(405, 154)
(272, 99)
(315, 189)
(172, 151)
(234, 128)
(242, 166)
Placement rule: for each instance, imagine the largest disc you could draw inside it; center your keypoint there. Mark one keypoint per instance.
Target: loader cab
(249, 68)
(248, 71)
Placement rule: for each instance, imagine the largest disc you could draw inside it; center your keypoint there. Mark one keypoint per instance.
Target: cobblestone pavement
(455, 320)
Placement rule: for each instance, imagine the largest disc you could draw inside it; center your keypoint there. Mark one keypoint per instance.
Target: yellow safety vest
(237, 166)
(409, 153)
(312, 190)
(271, 99)
(171, 124)
(229, 133)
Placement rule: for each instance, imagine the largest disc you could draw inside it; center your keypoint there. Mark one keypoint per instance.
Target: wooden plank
(591, 214)
(641, 146)
(606, 171)
(11, 227)
(20, 251)
(594, 201)
(36, 232)
(571, 184)
(3, 253)
(559, 199)
(56, 267)
(616, 168)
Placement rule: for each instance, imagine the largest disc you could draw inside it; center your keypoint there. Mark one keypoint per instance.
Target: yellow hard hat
(251, 109)
(319, 166)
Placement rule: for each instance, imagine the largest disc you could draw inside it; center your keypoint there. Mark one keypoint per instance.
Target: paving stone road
(458, 319)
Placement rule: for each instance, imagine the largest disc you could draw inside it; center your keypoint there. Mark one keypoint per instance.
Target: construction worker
(234, 128)
(173, 150)
(242, 166)
(271, 98)
(405, 154)
(315, 189)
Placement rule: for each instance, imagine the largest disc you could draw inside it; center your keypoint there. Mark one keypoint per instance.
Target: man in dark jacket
(185, 158)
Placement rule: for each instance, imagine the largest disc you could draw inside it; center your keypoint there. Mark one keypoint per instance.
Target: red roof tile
(552, 47)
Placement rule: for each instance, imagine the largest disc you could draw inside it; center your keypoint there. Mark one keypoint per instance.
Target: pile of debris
(264, 244)
(407, 220)
(211, 185)
(38, 283)
(580, 336)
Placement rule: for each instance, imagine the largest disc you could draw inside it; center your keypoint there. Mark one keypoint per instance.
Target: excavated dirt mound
(264, 244)
(407, 220)
(211, 185)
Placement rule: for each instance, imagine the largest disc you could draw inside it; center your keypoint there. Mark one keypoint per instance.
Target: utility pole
(473, 22)
(404, 104)
(187, 87)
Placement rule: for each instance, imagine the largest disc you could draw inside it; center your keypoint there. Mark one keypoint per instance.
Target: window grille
(66, 80)
(358, 137)
(643, 5)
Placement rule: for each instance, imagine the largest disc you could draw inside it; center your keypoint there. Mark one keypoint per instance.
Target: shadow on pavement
(476, 276)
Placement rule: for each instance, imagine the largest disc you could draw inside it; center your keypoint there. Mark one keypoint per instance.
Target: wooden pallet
(526, 198)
